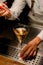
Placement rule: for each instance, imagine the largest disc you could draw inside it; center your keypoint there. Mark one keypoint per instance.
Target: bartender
(36, 17)
(9, 11)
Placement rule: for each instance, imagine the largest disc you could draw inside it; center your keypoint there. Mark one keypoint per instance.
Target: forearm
(16, 9)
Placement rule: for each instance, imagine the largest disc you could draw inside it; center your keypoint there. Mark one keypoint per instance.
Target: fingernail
(21, 56)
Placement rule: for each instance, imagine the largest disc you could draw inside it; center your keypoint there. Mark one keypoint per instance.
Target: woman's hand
(4, 11)
(30, 49)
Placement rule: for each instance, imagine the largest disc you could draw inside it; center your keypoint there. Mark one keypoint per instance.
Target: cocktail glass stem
(20, 44)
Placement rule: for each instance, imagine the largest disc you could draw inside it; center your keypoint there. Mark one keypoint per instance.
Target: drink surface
(21, 33)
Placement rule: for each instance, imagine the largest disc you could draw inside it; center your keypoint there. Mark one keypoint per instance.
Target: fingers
(34, 54)
(31, 53)
(5, 6)
(24, 49)
(27, 53)
(5, 13)
(2, 8)
(29, 50)
(2, 12)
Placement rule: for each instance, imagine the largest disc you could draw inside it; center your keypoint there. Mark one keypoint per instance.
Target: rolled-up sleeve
(40, 35)
(17, 8)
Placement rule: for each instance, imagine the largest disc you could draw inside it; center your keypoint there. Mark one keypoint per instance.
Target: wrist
(37, 40)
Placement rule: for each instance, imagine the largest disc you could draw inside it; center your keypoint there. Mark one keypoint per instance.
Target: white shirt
(16, 8)
(38, 13)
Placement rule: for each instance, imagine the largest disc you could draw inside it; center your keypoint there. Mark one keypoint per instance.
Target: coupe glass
(21, 31)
